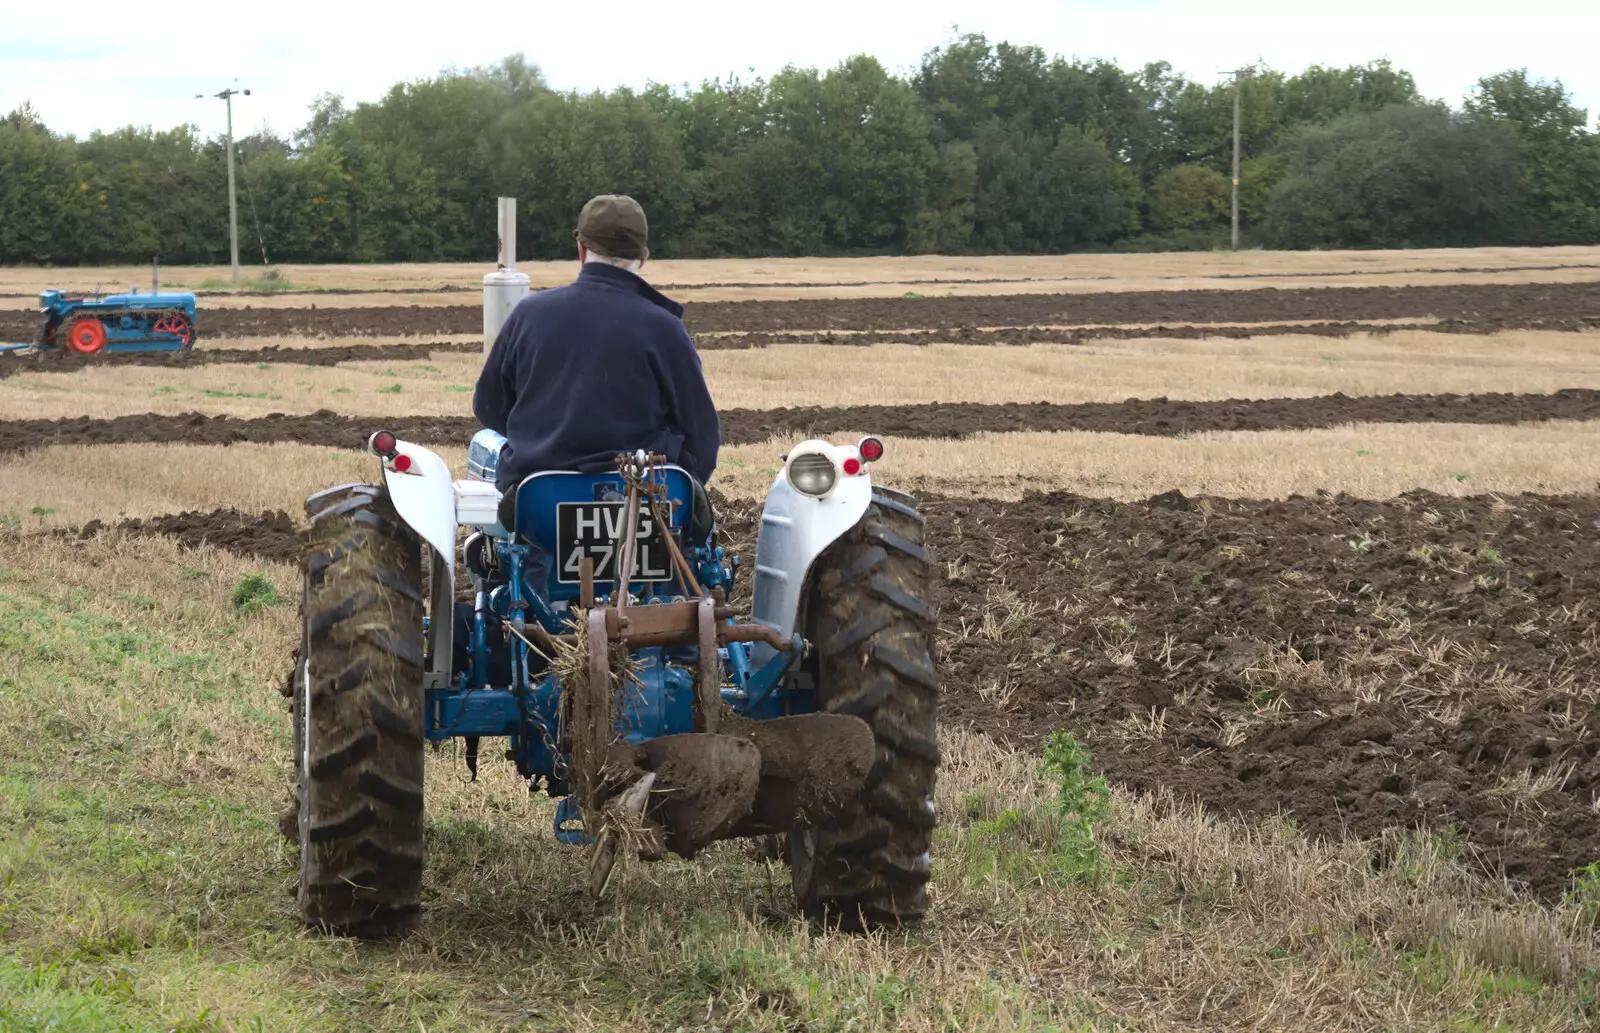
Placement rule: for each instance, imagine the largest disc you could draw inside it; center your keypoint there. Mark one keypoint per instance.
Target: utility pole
(232, 200)
(1238, 77)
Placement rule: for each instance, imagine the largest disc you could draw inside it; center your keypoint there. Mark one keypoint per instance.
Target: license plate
(593, 529)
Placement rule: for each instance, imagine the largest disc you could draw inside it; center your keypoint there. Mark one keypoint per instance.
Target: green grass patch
(253, 592)
(210, 392)
(270, 281)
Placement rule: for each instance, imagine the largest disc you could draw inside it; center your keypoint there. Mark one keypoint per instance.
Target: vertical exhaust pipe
(504, 287)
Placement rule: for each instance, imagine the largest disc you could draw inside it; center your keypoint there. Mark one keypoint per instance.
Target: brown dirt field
(776, 276)
(1157, 417)
(1360, 666)
(1520, 304)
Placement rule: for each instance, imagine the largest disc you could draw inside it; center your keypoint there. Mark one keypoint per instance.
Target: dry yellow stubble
(884, 277)
(69, 485)
(883, 374)
(1370, 460)
(1289, 366)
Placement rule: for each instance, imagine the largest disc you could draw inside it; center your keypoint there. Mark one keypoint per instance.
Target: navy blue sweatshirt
(600, 366)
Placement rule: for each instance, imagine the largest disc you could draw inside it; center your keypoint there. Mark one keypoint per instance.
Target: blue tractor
(131, 322)
(601, 639)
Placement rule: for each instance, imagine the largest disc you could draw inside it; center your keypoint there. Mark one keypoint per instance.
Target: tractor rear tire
(359, 704)
(869, 619)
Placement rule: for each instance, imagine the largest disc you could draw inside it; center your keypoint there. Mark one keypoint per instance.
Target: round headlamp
(812, 473)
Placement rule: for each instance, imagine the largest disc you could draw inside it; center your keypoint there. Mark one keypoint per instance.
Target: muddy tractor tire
(358, 702)
(869, 620)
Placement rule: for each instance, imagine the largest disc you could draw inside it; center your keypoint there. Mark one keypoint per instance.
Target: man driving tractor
(601, 366)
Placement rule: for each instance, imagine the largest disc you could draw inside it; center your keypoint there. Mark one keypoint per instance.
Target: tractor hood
(166, 299)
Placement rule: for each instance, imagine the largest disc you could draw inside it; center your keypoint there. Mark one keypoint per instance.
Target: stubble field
(1301, 548)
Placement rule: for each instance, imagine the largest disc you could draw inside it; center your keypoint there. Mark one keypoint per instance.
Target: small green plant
(42, 510)
(1460, 477)
(458, 387)
(253, 592)
(1084, 800)
(1360, 544)
(210, 392)
(341, 390)
(1489, 555)
(392, 389)
(192, 573)
(1364, 452)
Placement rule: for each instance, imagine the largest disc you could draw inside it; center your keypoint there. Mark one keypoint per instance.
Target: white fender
(425, 498)
(795, 529)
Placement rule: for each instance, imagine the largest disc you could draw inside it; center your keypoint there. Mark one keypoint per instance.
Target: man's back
(601, 366)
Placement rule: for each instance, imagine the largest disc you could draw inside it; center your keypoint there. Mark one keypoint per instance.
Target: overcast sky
(101, 65)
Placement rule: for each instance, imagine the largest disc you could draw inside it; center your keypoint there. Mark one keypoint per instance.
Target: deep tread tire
(869, 619)
(358, 759)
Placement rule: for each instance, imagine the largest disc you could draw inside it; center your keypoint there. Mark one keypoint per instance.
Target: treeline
(984, 148)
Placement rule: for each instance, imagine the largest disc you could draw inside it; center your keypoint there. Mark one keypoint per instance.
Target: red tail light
(852, 466)
(401, 463)
(382, 443)
(871, 449)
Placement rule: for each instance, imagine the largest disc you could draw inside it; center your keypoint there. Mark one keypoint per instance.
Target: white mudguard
(434, 506)
(425, 498)
(795, 529)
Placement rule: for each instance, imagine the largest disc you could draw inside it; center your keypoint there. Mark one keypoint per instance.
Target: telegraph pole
(1238, 76)
(232, 200)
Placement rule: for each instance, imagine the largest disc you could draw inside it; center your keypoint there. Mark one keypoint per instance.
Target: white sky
(109, 64)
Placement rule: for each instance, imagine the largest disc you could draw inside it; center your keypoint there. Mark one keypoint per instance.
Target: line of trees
(985, 147)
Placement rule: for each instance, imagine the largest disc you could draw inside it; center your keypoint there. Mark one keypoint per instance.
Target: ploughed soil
(1363, 665)
(332, 355)
(1159, 417)
(1487, 304)
(271, 536)
(406, 351)
(66, 362)
(1360, 666)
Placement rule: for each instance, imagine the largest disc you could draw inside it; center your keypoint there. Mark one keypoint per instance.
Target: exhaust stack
(504, 287)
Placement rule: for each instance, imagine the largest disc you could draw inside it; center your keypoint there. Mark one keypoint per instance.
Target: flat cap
(615, 225)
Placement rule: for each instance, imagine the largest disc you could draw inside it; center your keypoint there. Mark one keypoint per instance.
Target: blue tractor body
(116, 323)
(501, 686)
(600, 640)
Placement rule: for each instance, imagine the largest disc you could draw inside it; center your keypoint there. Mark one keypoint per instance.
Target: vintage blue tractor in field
(131, 322)
(602, 642)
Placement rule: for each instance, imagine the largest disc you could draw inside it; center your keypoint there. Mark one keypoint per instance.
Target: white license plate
(593, 529)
